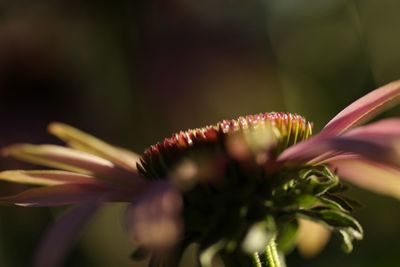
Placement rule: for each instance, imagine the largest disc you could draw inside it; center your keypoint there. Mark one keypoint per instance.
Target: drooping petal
(68, 159)
(45, 177)
(384, 133)
(60, 238)
(369, 175)
(380, 130)
(363, 109)
(57, 195)
(312, 238)
(88, 143)
(59, 157)
(154, 221)
(309, 150)
(312, 147)
(325, 158)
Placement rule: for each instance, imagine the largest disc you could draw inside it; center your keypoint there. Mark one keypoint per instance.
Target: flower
(230, 187)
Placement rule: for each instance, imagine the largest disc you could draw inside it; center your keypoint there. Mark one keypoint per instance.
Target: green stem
(271, 257)
(256, 260)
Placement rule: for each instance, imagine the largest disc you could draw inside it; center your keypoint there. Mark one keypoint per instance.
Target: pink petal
(388, 128)
(64, 194)
(45, 177)
(323, 148)
(384, 133)
(363, 109)
(60, 238)
(369, 175)
(304, 151)
(88, 143)
(333, 157)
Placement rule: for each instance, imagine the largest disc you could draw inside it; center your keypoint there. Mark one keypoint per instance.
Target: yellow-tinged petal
(85, 142)
(59, 157)
(57, 195)
(312, 238)
(45, 177)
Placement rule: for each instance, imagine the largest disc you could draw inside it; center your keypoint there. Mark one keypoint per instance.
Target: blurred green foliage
(132, 72)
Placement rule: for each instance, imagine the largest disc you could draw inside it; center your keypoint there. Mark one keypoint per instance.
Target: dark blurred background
(133, 72)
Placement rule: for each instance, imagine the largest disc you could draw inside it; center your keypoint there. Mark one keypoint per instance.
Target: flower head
(275, 130)
(230, 187)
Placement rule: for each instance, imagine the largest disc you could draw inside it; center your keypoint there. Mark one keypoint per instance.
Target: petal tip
(9, 150)
(55, 127)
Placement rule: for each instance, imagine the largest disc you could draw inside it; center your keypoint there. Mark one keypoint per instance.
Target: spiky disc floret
(285, 128)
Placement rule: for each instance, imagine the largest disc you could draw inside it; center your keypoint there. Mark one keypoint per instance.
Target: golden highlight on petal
(45, 178)
(57, 195)
(59, 157)
(85, 142)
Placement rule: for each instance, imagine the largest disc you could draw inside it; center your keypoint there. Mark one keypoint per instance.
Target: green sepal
(347, 241)
(341, 222)
(306, 201)
(319, 179)
(337, 202)
(335, 219)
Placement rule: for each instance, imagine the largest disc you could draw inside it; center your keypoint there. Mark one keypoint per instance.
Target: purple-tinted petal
(323, 148)
(384, 134)
(57, 195)
(363, 109)
(332, 157)
(45, 177)
(60, 238)
(304, 151)
(154, 221)
(383, 129)
(88, 143)
(369, 175)
(378, 152)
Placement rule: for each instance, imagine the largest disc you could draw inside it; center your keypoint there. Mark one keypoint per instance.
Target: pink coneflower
(235, 188)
